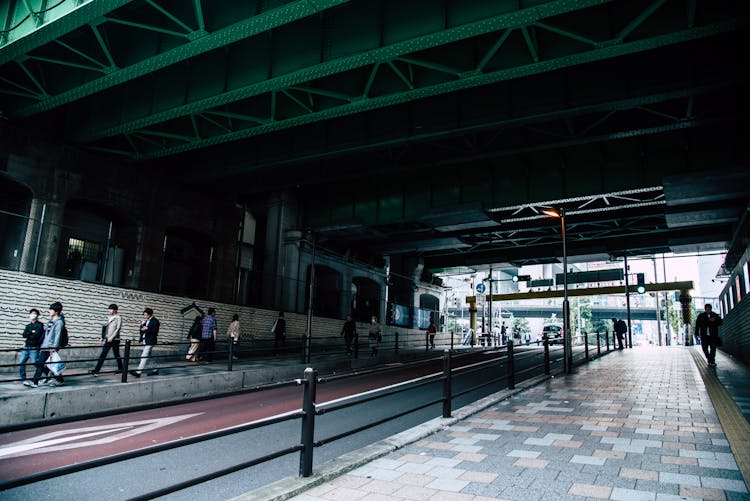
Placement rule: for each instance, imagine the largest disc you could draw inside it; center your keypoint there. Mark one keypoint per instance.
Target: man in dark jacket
(149, 333)
(707, 327)
(350, 334)
(620, 328)
(33, 334)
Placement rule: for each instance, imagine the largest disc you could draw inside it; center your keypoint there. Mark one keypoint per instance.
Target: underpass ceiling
(413, 126)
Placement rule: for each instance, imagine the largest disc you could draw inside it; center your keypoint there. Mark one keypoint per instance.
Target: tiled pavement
(635, 425)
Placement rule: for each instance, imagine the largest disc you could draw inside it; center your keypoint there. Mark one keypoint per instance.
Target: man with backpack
(52, 341)
(620, 328)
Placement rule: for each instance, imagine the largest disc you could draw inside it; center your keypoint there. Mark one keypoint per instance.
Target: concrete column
(346, 291)
(282, 214)
(49, 245)
(33, 226)
(293, 279)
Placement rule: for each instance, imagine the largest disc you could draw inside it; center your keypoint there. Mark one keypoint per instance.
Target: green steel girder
(465, 81)
(521, 17)
(604, 111)
(196, 42)
(68, 16)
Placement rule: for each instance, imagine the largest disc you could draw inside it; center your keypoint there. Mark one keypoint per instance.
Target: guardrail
(503, 367)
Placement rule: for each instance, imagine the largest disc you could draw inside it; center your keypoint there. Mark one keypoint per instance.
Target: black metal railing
(503, 363)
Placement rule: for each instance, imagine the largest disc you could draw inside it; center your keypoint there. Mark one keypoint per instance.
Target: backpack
(64, 340)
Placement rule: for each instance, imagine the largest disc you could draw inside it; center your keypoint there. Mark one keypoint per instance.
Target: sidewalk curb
(291, 486)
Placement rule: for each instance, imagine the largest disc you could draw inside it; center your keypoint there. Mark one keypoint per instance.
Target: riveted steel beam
(468, 81)
(69, 17)
(196, 43)
(523, 16)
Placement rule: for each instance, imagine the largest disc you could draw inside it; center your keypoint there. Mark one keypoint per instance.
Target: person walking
(375, 335)
(33, 335)
(51, 341)
(208, 335)
(279, 333)
(233, 331)
(431, 331)
(707, 327)
(620, 328)
(110, 340)
(149, 337)
(349, 331)
(194, 335)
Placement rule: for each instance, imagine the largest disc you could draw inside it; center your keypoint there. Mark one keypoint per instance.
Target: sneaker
(135, 374)
(46, 382)
(94, 373)
(55, 382)
(154, 372)
(30, 384)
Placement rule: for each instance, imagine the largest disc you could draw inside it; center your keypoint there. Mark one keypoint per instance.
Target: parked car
(552, 332)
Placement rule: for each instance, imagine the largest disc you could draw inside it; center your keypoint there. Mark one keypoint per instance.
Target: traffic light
(641, 284)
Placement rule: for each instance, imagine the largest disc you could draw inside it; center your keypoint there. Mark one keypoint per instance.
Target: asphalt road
(27, 452)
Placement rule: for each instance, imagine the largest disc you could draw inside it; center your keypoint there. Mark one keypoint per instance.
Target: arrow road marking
(85, 437)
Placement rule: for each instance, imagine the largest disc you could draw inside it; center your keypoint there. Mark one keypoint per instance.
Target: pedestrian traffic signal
(641, 284)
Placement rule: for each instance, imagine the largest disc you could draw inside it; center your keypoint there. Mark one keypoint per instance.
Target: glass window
(747, 277)
(737, 290)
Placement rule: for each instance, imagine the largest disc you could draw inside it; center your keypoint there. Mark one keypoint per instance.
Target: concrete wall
(85, 308)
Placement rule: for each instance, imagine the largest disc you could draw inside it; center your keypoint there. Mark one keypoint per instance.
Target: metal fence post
(308, 422)
(546, 355)
(511, 368)
(396, 347)
(606, 334)
(356, 346)
(447, 384)
(451, 340)
(598, 344)
(230, 352)
(125, 362)
(586, 344)
(426, 341)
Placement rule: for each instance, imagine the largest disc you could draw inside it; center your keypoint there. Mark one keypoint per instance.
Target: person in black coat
(707, 327)
(149, 335)
(33, 334)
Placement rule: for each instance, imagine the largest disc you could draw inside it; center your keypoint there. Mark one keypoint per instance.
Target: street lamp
(567, 339)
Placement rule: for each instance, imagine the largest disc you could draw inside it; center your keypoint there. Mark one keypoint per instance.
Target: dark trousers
(709, 349)
(619, 339)
(351, 341)
(279, 340)
(41, 368)
(208, 346)
(115, 346)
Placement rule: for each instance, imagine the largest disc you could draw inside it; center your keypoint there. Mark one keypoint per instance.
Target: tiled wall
(735, 331)
(85, 308)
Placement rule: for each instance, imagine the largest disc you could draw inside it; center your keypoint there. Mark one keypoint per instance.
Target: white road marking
(79, 437)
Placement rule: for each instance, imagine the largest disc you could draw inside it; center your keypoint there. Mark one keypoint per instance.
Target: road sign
(481, 288)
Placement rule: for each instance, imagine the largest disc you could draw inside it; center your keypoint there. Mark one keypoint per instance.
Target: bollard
(586, 344)
(308, 422)
(511, 368)
(606, 337)
(125, 362)
(598, 344)
(396, 341)
(451, 340)
(546, 356)
(447, 393)
(230, 352)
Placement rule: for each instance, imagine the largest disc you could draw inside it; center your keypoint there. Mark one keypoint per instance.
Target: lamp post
(567, 338)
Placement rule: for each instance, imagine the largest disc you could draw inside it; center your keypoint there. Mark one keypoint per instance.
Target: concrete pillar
(282, 214)
(49, 243)
(293, 279)
(33, 226)
(346, 291)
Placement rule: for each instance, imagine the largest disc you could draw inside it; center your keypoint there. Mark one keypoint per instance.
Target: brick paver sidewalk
(635, 425)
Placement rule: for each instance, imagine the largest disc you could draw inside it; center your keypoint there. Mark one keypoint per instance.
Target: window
(747, 277)
(737, 290)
